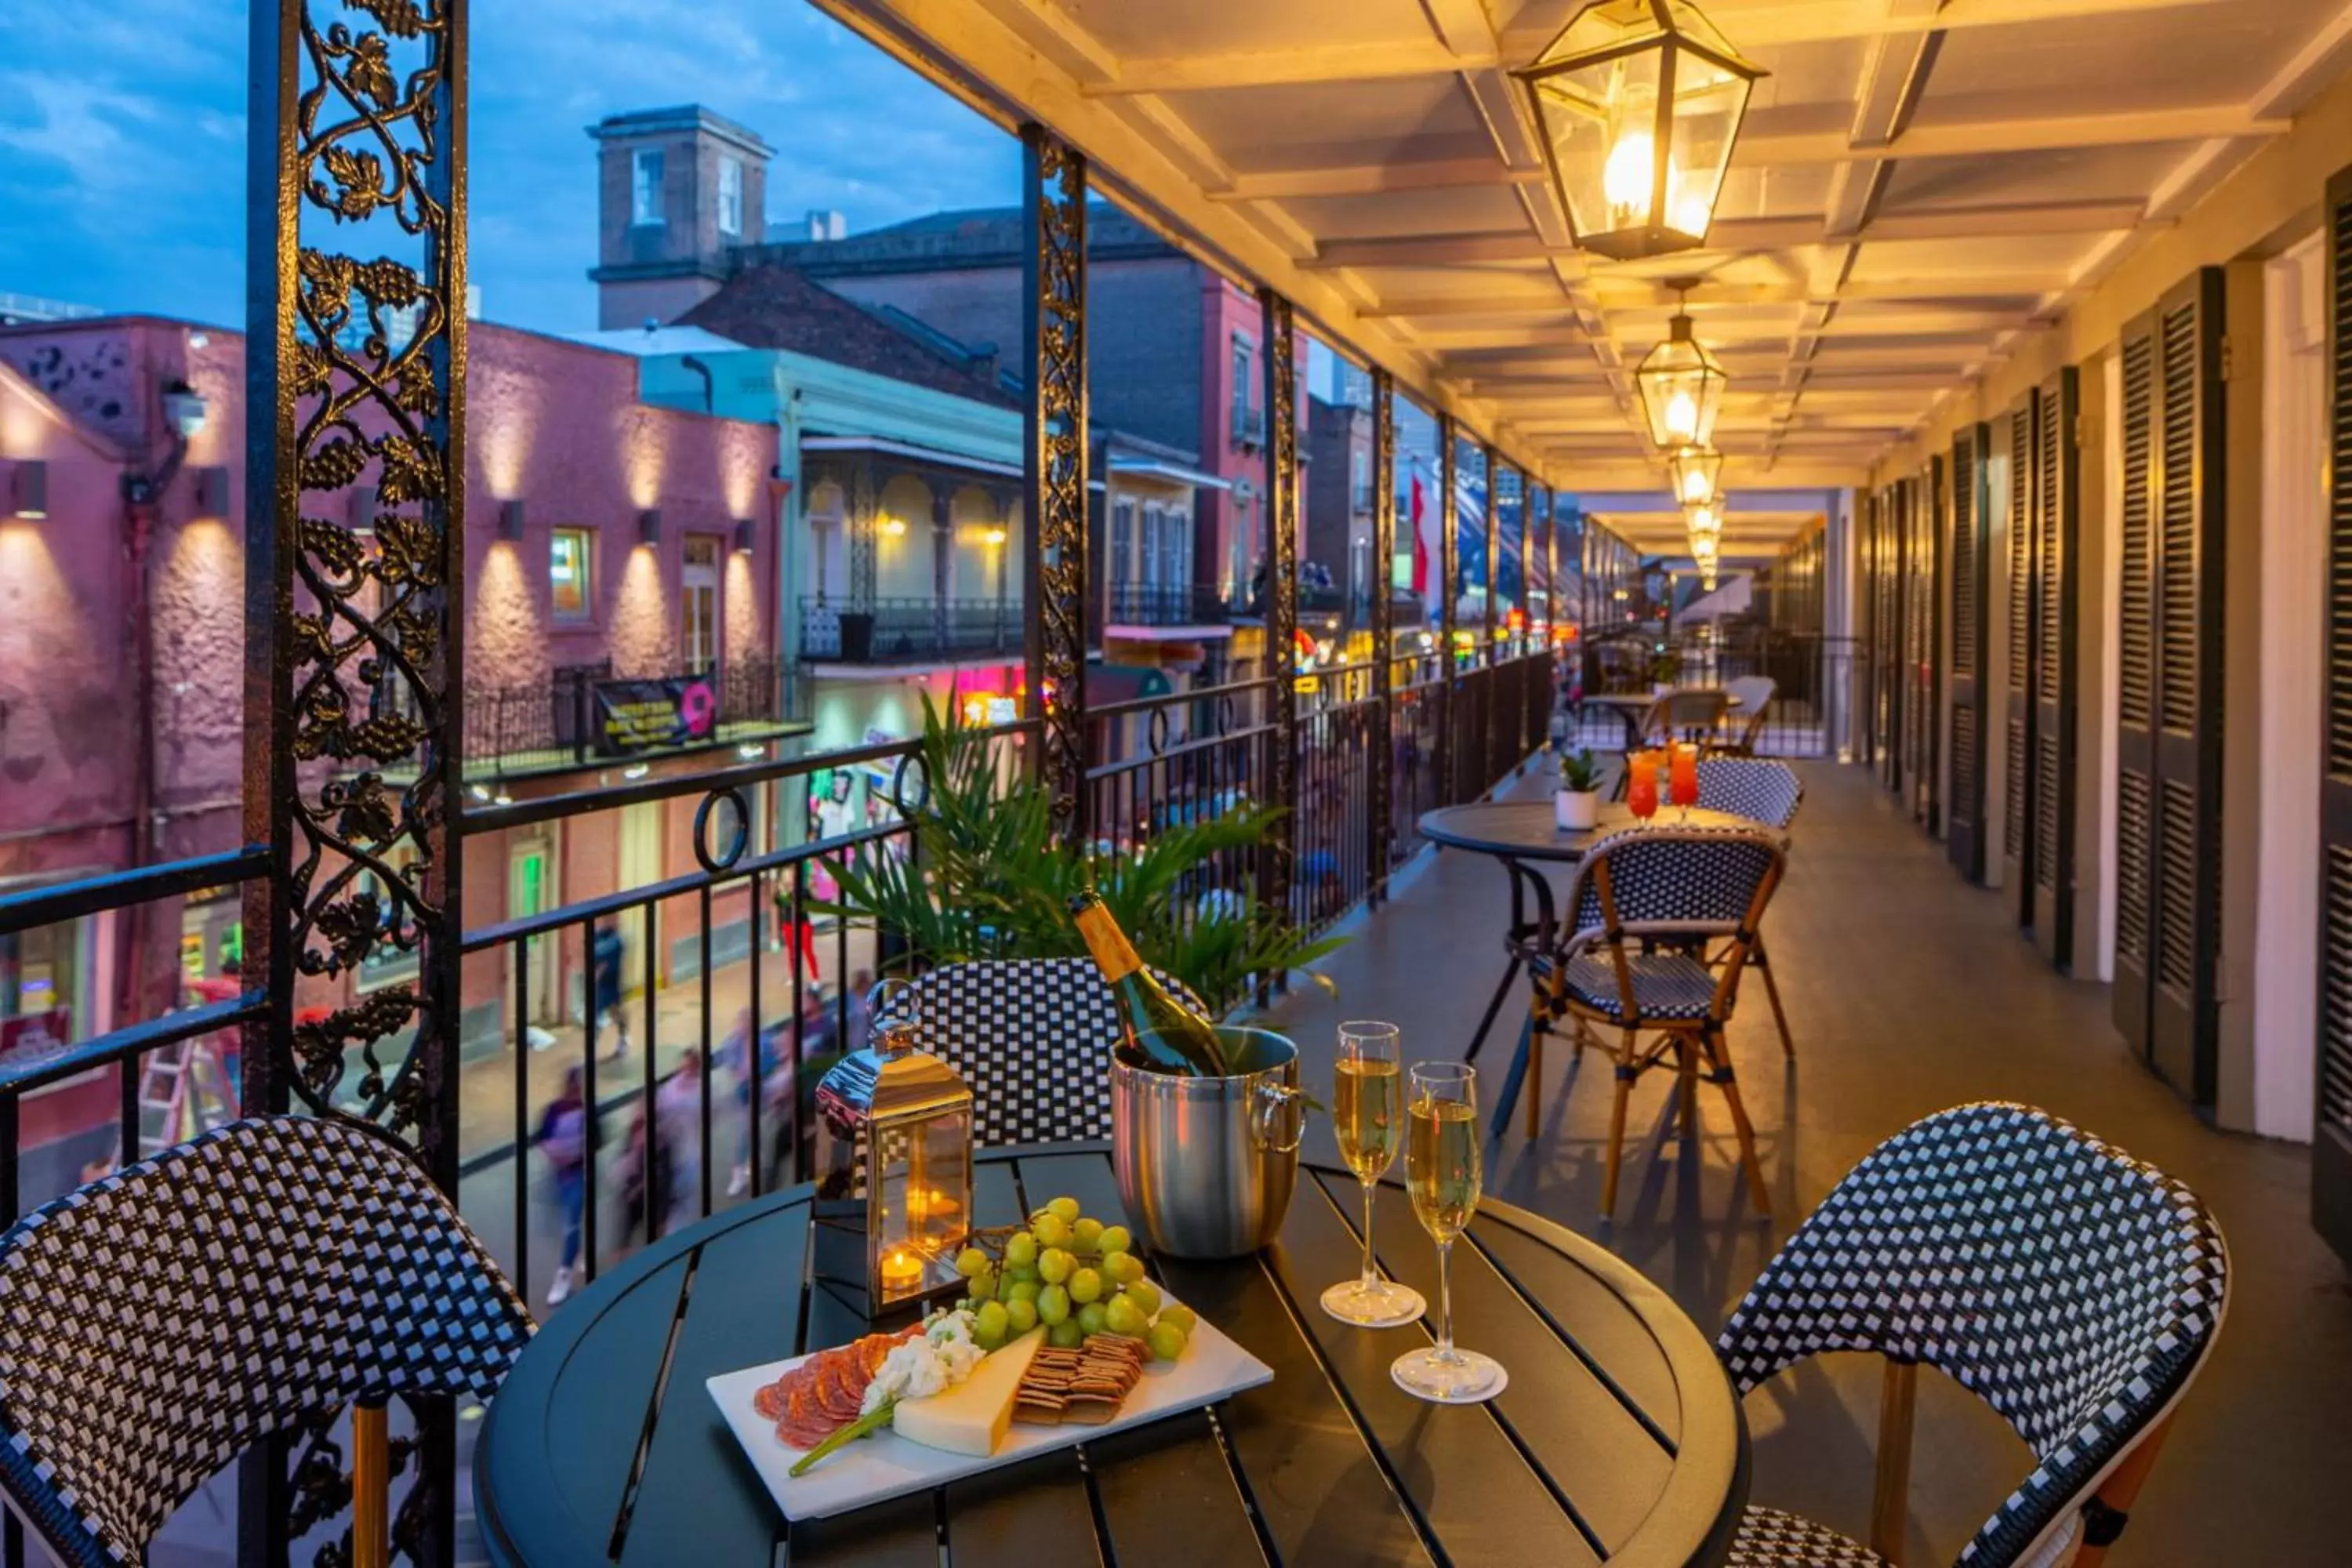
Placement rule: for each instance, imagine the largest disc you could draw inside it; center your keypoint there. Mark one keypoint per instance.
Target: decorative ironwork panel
(865, 522)
(1494, 596)
(1449, 588)
(356, 350)
(1281, 574)
(1379, 810)
(1054, 329)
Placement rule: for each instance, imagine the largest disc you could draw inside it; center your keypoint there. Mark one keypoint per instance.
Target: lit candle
(901, 1270)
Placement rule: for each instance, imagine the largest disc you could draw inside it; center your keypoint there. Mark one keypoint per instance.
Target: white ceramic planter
(1576, 810)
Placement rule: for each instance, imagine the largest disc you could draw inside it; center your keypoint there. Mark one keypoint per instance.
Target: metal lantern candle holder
(1639, 103)
(1697, 475)
(894, 1129)
(1681, 385)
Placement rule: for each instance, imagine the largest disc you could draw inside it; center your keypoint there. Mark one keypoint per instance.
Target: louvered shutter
(2135, 706)
(2054, 491)
(2017, 698)
(2331, 1150)
(1927, 596)
(1967, 558)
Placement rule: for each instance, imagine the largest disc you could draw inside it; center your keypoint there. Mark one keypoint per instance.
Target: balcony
(1159, 604)
(1248, 427)
(910, 631)
(1359, 499)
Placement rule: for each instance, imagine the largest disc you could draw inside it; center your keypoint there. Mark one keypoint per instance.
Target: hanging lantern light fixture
(1681, 384)
(1640, 102)
(1697, 474)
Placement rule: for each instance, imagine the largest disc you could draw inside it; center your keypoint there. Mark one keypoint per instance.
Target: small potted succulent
(1576, 804)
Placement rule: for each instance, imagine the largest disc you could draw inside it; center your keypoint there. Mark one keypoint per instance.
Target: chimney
(827, 225)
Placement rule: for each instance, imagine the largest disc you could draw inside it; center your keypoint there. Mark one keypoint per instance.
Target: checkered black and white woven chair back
(1671, 881)
(2072, 1288)
(156, 1324)
(1756, 788)
(1032, 1036)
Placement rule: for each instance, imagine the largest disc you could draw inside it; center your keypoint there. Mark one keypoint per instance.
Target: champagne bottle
(1156, 1032)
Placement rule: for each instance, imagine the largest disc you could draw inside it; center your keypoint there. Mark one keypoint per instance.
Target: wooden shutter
(2187, 514)
(2136, 705)
(2055, 523)
(2331, 1149)
(2017, 707)
(1885, 631)
(1928, 606)
(1965, 811)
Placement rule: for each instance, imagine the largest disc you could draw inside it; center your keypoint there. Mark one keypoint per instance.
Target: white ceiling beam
(1761, 147)
(1635, 295)
(2000, 221)
(1805, 21)
(1565, 330)
(1373, 179)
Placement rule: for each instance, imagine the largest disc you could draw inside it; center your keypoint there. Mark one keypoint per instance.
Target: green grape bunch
(1074, 1275)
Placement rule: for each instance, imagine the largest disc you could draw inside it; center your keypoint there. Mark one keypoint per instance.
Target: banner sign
(641, 715)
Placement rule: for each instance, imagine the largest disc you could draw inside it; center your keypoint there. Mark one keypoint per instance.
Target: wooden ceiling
(1920, 183)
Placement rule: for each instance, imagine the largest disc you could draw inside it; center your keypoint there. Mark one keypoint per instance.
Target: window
(388, 962)
(698, 603)
(1359, 483)
(1150, 547)
(1241, 387)
(1122, 545)
(571, 590)
(730, 197)
(645, 187)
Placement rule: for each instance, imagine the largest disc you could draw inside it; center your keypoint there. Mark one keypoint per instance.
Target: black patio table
(1618, 1440)
(1519, 833)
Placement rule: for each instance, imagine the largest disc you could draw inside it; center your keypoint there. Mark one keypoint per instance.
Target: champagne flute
(1368, 1111)
(1442, 1173)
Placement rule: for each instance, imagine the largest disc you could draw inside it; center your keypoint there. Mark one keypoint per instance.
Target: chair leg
(1720, 1057)
(1772, 995)
(1890, 1501)
(371, 1489)
(1535, 1073)
(1687, 1084)
(1625, 1072)
(2121, 1489)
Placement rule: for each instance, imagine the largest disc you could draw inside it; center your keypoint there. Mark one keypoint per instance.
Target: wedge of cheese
(970, 1417)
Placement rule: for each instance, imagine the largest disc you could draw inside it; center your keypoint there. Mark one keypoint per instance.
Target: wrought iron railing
(585, 714)
(1162, 604)
(909, 631)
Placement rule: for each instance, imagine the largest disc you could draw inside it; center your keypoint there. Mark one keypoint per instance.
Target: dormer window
(646, 187)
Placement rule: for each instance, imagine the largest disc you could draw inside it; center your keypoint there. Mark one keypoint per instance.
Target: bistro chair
(159, 1321)
(1743, 727)
(1762, 790)
(1031, 1035)
(1690, 714)
(2072, 1288)
(1635, 890)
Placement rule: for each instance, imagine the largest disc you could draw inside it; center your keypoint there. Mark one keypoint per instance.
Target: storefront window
(39, 974)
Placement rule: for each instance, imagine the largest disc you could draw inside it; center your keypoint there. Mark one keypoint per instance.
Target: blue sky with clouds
(123, 140)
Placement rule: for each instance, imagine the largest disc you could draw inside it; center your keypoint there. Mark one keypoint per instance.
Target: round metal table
(1632, 707)
(1619, 1439)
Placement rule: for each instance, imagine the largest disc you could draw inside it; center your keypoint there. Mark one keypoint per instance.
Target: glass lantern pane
(940, 1185)
(1610, 25)
(1708, 102)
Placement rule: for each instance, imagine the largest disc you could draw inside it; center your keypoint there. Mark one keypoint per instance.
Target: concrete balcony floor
(1907, 992)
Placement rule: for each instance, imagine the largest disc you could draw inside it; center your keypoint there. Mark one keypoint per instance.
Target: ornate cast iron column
(1494, 552)
(1281, 583)
(1380, 810)
(355, 374)
(1449, 573)
(1053, 187)
(864, 500)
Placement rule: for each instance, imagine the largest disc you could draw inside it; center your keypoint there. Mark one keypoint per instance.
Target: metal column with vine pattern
(1380, 812)
(1054, 188)
(1492, 461)
(1281, 585)
(1449, 570)
(355, 377)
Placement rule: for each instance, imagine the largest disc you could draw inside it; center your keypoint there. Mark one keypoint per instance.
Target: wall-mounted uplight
(751, 751)
(29, 488)
(636, 770)
(994, 536)
(744, 535)
(479, 792)
(502, 798)
(212, 491)
(510, 521)
(893, 528)
(184, 407)
(649, 526)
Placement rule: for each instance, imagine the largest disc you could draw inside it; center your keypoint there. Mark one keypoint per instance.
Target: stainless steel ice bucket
(1205, 1164)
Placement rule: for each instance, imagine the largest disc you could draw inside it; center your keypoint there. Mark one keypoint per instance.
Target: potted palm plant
(1576, 804)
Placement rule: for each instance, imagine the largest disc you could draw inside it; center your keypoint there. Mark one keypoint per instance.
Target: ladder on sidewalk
(183, 1089)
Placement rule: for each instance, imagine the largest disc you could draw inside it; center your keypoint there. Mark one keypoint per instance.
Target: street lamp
(1681, 384)
(1697, 474)
(1623, 80)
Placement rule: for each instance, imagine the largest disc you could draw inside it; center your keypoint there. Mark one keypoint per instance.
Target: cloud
(122, 127)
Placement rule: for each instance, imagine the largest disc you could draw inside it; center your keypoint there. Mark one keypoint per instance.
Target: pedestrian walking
(605, 966)
(677, 1131)
(562, 1140)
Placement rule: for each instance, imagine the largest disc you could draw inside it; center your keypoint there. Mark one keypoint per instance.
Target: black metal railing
(582, 715)
(909, 631)
(1249, 426)
(1162, 604)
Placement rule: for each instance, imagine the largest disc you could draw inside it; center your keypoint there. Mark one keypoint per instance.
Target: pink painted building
(607, 541)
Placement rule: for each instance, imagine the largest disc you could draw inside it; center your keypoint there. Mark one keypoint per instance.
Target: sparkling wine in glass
(1443, 1176)
(1368, 1112)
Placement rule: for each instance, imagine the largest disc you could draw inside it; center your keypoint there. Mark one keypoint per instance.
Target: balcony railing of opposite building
(512, 731)
(1249, 426)
(1361, 498)
(909, 631)
(1163, 605)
